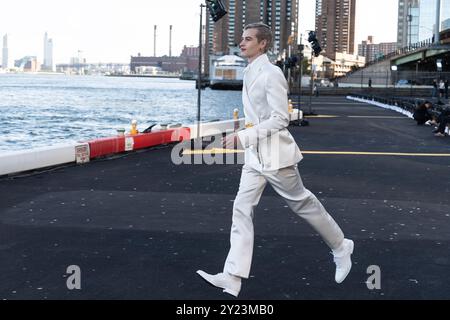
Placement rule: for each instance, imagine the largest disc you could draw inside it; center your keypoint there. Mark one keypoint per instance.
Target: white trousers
(288, 184)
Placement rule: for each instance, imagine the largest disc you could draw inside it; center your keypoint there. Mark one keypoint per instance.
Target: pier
(139, 226)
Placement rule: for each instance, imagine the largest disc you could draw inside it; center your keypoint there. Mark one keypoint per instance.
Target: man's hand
(231, 141)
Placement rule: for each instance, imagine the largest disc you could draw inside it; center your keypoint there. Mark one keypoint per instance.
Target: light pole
(312, 83)
(217, 11)
(300, 59)
(199, 77)
(315, 52)
(394, 69)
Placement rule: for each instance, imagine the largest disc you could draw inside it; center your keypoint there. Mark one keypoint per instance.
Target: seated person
(444, 120)
(422, 113)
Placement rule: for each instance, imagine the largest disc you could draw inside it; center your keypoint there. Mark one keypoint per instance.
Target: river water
(43, 110)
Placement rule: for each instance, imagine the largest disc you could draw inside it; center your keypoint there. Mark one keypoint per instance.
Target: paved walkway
(139, 226)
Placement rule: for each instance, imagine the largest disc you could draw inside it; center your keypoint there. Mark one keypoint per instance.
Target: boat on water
(227, 73)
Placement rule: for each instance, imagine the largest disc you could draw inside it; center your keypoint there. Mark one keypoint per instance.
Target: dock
(139, 226)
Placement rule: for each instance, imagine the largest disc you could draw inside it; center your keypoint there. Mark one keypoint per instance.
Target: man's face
(250, 48)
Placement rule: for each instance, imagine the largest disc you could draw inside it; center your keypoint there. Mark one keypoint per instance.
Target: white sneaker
(229, 283)
(342, 259)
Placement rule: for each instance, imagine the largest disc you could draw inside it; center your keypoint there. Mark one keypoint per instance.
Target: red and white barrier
(26, 160)
(119, 144)
(20, 161)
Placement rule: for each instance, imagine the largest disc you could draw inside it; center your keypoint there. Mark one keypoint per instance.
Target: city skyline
(112, 31)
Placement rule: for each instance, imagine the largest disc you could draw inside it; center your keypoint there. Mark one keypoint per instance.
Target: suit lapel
(254, 77)
(252, 74)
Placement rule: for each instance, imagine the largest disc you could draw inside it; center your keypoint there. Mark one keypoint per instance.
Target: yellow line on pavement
(398, 154)
(380, 117)
(322, 116)
(402, 154)
(358, 117)
(211, 151)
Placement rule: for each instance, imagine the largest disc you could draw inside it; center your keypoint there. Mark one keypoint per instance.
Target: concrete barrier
(382, 105)
(208, 129)
(19, 161)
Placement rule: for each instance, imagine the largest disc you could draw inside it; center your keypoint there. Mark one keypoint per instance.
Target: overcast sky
(112, 30)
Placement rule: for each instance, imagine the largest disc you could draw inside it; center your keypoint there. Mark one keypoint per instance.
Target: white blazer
(268, 143)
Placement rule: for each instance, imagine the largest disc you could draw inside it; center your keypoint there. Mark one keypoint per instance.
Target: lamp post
(394, 69)
(300, 59)
(316, 50)
(199, 77)
(439, 69)
(312, 83)
(217, 11)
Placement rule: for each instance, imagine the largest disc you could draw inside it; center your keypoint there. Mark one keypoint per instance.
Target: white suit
(271, 155)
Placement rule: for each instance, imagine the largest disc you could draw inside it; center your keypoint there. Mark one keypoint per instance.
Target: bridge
(414, 63)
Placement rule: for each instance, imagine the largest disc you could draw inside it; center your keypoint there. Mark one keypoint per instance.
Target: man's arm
(276, 92)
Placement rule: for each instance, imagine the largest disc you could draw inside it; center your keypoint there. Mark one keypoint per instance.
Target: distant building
(5, 57)
(373, 51)
(335, 26)
(323, 67)
(445, 36)
(445, 11)
(344, 63)
(187, 61)
(417, 19)
(74, 67)
(445, 24)
(408, 22)
(224, 36)
(427, 18)
(27, 64)
(48, 54)
(190, 55)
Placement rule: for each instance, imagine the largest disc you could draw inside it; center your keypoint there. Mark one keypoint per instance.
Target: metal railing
(389, 79)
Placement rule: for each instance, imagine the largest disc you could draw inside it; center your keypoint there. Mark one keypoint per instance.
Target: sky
(113, 30)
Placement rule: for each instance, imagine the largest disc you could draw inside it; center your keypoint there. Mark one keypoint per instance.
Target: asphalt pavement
(138, 226)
